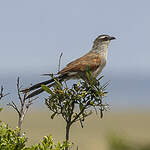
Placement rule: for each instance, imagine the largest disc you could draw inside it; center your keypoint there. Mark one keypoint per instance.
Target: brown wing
(91, 60)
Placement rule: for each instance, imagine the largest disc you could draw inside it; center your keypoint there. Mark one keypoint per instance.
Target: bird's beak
(112, 38)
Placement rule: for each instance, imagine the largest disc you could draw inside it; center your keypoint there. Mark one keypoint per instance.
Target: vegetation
(12, 139)
(22, 109)
(9, 140)
(74, 104)
(116, 142)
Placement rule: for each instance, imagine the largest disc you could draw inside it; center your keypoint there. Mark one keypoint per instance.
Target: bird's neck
(100, 48)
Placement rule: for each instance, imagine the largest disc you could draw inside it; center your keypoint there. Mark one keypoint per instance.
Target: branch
(30, 102)
(85, 115)
(24, 105)
(14, 106)
(78, 115)
(18, 91)
(70, 116)
(59, 61)
(1, 93)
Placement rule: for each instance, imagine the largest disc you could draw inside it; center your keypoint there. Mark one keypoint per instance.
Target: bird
(95, 60)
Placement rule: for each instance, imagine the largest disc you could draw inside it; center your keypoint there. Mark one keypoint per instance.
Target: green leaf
(105, 85)
(88, 75)
(81, 106)
(58, 83)
(53, 115)
(81, 122)
(100, 78)
(91, 103)
(87, 69)
(45, 88)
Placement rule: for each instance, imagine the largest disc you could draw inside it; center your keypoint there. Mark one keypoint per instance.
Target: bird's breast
(101, 66)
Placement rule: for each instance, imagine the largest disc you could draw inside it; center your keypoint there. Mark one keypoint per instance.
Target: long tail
(36, 86)
(40, 90)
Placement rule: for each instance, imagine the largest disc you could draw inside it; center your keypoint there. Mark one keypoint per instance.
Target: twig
(24, 106)
(59, 61)
(78, 115)
(14, 106)
(18, 91)
(2, 93)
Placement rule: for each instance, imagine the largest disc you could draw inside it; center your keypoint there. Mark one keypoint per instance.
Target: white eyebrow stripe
(103, 37)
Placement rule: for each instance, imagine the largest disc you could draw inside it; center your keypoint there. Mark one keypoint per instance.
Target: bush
(48, 144)
(73, 104)
(9, 139)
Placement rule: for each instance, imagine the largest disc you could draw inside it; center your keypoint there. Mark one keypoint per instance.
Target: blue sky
(33, 33)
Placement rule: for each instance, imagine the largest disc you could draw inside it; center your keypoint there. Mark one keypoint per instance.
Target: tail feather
(38, 91)
(51, 82)
(38, 85)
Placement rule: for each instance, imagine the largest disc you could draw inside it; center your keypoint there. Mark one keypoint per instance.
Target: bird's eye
(105, 38)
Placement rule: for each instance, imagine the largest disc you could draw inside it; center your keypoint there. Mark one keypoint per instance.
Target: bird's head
(102, 40)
